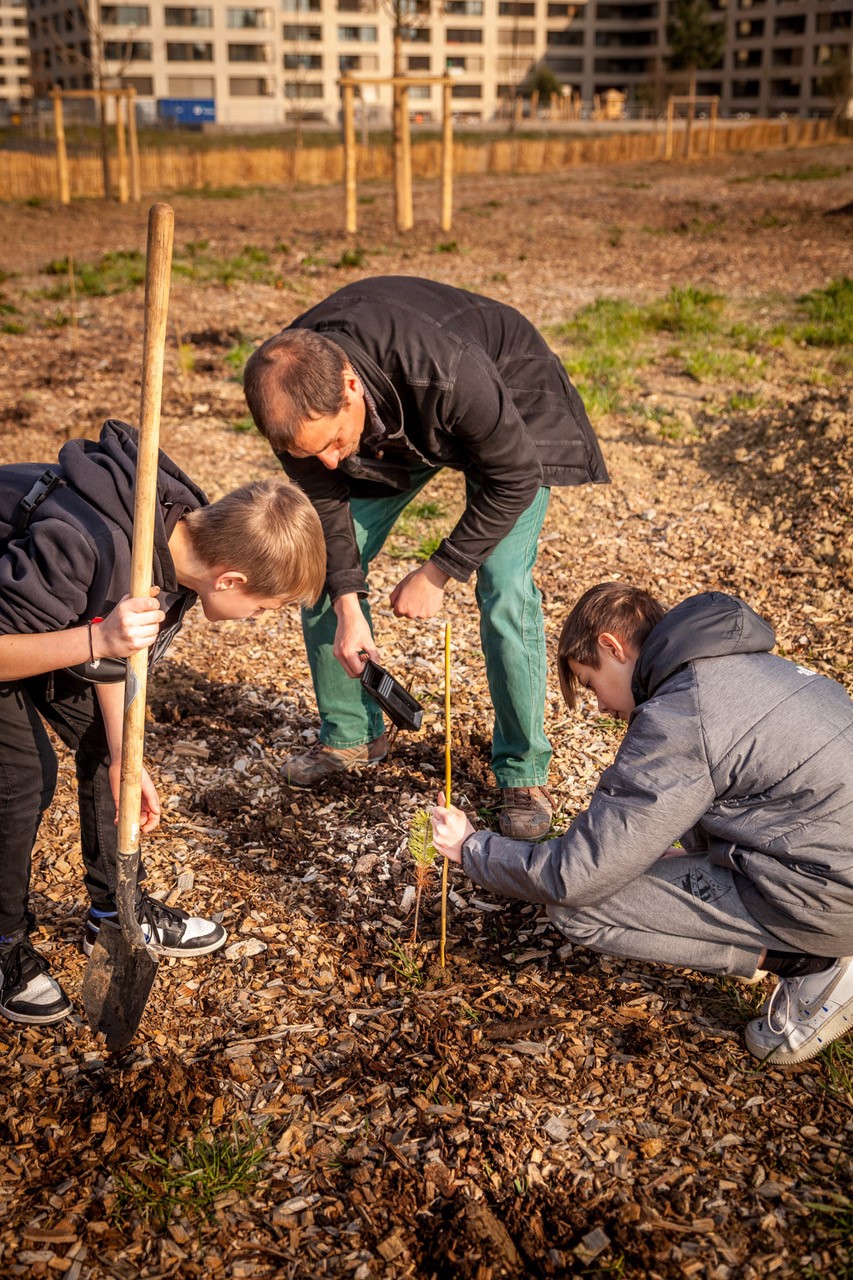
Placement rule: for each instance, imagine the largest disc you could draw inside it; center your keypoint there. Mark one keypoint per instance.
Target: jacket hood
(711, 625)
(104, 472)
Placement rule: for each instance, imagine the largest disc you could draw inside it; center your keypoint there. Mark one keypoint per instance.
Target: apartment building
(268, 65)
(14, 58)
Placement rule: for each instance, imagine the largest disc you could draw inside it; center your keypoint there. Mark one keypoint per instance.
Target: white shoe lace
(774, 1023)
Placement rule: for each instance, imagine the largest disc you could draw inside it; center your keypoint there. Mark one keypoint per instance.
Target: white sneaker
(804, 1015)
(168, 930)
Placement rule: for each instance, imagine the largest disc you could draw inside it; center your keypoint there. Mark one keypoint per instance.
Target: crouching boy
(743, 757)
(65, 627)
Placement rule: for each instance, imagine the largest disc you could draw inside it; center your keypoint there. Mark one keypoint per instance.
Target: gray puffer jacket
(733, 750)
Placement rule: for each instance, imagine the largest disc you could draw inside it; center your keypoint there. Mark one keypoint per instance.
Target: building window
(416, 35)
(566, 36)
(249, 53)
(144, 85)
(517, 37)
(356, 6)
(175, 17)
(189, 52)
(191, 87)
(250, 87)
(303, 62)
(293, 89)
(795, 25)
(125, 15)
(291, 32)
(366, 35)
(464, 8)
(463, 35)
(247, 19)
(562, 11)
(301, 6)
(516, 9)
(127, 50)
(418, 62)
(466, 91)
(419, 91)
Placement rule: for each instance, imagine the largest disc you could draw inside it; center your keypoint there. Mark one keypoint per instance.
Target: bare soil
(533, 1110)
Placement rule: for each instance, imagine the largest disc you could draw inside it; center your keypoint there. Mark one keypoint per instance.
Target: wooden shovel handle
(158, 266)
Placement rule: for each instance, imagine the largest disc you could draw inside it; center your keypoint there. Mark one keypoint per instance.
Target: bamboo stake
(61, 152)
(446, 156)
(447, 782)
(135, 182)
(121, 150)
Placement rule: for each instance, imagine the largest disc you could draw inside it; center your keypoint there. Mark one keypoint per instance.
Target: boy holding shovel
(65, 626)
(747, 760)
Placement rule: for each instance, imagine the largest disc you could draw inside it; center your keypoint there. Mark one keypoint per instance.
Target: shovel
(121, 968)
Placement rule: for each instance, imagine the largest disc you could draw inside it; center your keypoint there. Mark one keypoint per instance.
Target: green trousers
(511, 633)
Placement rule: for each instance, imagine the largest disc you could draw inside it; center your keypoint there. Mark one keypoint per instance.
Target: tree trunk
(104, 144)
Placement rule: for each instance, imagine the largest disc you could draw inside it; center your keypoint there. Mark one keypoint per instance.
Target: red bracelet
(91, 623)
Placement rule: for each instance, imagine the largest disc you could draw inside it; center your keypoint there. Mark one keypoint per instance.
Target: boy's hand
(421, 592)
(450, 830)
(149, 816)
(133, 625)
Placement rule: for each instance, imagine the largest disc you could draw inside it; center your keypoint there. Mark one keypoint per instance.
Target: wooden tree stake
(447, 782)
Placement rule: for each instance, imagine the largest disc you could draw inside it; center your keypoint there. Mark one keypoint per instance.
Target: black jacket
(740, 753)
(72, 562)
(460, 381)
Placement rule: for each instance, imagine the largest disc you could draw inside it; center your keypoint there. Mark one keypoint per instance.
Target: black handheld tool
(398, 704)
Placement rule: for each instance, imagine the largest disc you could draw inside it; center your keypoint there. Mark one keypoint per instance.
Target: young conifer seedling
(423, 853)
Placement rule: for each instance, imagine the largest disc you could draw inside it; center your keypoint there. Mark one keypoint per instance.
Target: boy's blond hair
(612, 607)
(268, 530)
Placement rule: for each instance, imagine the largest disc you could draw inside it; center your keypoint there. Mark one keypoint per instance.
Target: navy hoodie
(72, 562)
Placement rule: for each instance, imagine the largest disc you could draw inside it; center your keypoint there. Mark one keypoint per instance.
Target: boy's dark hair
(624, 611)
(293, 377)
(268, 530)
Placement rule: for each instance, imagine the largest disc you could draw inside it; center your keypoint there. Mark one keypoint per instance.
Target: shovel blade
(116, 986)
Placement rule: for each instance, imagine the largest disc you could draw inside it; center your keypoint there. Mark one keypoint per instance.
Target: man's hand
(421, 593)
(149, 816)
(450, 830)
(353, 636)
(132, 625)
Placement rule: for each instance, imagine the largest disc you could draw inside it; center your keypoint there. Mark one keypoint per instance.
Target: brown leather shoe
(526, 812)
(306, 768)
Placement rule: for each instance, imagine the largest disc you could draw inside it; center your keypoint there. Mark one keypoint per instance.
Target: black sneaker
(167, 930)
(27, 991)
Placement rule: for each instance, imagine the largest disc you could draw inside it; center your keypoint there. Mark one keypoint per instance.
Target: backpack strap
(29, 504)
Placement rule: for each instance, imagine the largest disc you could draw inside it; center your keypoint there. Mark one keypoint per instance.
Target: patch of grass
(837, 1216)
(706, 365)
(313, 260)
(220, 193)
(367, 199)
(425, 510)
(744, 400)
(602, 340)
(811, 173)
(236, 358)
(116, 272)
(426, 547)
(447, 246)
(406, 966)
(830, 315)
(687, 312)
(838, 1062)
(196, 262)
(193, 1176)
(615, 236)
(355, 257)
(244, 425)
(13, 327)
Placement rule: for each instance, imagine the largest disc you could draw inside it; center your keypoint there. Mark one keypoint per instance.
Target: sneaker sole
(32, 1020)
(832, 1030)
(174, 953)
